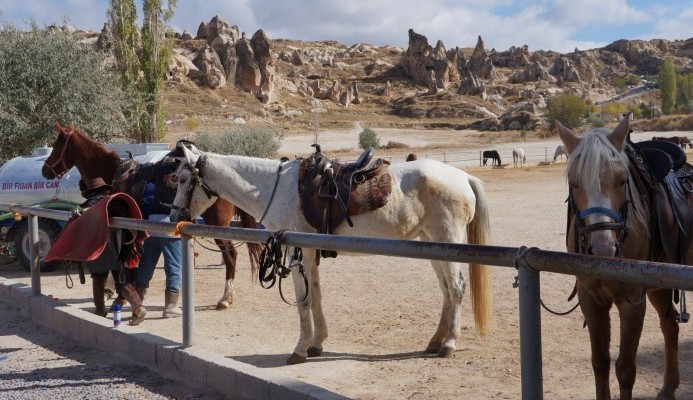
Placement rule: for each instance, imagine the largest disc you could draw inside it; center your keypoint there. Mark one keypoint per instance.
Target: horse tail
(254, 249)
(478, 232)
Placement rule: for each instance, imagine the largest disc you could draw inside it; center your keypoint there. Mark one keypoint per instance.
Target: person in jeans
(158, 205)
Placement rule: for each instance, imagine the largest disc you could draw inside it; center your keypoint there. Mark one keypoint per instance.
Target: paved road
(35, 363)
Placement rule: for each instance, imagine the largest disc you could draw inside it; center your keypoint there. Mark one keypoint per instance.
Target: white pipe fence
(528, 261)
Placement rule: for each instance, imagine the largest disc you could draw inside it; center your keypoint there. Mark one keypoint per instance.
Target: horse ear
(58, 127)
(570, 139)
(620, 133)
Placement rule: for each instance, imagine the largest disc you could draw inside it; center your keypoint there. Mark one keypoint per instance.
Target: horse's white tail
(478, 232)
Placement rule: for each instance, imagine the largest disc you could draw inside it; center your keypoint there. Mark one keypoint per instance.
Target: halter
(618, 224)
(61, 159)
(195, 179)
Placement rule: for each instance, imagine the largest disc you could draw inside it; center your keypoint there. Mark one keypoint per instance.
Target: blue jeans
(173, 252)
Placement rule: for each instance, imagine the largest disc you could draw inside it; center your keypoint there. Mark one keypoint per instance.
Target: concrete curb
(234, 379)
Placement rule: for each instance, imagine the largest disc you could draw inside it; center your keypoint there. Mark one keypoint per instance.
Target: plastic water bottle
(116, 315)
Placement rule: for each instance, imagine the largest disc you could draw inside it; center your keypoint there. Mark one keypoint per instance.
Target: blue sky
(560, 25)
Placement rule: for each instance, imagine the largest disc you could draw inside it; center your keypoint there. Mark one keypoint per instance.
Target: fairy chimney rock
(480, 63)
(421, 59)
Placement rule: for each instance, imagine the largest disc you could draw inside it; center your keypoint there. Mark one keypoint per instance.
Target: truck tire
(48, 233)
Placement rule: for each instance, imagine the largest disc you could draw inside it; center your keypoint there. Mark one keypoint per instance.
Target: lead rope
(683, 315)
(276, 183)
(521, 261)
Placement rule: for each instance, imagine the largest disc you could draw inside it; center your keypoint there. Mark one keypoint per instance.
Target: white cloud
(676, 26)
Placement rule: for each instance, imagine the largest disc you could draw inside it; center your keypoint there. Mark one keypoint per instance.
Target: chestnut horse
(73, 148)
(610, 215)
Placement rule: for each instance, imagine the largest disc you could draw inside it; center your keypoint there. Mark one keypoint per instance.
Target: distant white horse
(519, 157)
(560, 151)
(429, 200)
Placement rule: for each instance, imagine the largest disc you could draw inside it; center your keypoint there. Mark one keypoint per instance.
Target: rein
(61, 159)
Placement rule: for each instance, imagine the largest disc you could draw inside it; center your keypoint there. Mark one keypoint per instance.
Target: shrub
(568, 109)
(395, 145)
(368, 138)
(595, 121)
(191, 124)
(253, 141)
(47, 78)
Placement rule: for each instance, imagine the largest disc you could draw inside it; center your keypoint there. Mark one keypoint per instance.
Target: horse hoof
(222, 305)
(314, 351)
(295, 359)
(432, 348)
(446, 352)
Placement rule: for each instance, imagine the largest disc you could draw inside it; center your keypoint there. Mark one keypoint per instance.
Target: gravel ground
(35, 363)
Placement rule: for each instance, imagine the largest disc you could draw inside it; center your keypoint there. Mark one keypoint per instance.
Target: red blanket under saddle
(85, 237)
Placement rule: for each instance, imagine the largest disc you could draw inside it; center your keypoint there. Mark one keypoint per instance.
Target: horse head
(193, 196)
(60, 160)
(598, 177)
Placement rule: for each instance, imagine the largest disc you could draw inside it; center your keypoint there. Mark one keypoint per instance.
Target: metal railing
(528, 261)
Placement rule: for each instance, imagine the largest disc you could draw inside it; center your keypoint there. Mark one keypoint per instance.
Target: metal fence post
(32, 220)
(530, 334)
(188, 290)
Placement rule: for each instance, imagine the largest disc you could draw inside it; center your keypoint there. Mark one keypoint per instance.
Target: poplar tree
(143, 58)
(667, 87)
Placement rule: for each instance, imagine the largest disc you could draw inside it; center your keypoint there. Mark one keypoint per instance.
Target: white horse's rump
(519, 157)
(429, 200)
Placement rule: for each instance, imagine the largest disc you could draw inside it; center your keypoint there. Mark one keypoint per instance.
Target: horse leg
(599, 326)
(453, 287)
(229, 254)
(632, 317)
(304, 307)
(435, 345)
(661, 300)
(319, 322)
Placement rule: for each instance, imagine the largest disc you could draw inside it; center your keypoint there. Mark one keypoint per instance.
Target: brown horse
(610, 214)
(679, 140)
(73, 148)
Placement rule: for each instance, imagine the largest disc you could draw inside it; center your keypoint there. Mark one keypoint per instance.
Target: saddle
(331, 191)
(671, 178)
(89, 239)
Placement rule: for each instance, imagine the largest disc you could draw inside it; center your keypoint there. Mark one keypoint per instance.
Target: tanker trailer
(21, 183)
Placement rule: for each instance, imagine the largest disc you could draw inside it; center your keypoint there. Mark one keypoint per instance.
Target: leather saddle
(672, 187)
(331, 191)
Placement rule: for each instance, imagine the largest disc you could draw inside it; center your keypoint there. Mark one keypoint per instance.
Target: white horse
(560, 151)
(429, 200)
(519, 157)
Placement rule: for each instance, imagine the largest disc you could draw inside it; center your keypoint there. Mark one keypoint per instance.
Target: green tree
(252, 141)
(47, 78)
(568, 109)
(667, 86)
(368, 138)
(684, 93)
(143, 58)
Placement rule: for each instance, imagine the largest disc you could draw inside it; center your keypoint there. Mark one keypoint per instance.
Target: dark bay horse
(611, 214)
(73, 148)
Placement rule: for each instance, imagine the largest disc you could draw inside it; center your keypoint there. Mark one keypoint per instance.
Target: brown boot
(129, 292)
(171, 308)
(98, 288)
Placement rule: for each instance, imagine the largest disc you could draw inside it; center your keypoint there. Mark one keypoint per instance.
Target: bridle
(196, 179)
(582, 230)
(61, 159)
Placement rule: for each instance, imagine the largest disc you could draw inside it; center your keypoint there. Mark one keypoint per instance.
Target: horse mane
(594, 151)
(95, 145)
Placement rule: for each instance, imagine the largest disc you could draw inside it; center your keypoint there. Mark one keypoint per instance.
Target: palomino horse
(610, 215)
(73, 148)
(519, 157)
(428, 200)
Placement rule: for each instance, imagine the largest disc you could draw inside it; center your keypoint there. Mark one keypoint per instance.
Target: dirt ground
(381, 312)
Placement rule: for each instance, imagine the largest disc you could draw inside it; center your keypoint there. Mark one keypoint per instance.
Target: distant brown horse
(610, 215)
(73, 148)
(680, 140)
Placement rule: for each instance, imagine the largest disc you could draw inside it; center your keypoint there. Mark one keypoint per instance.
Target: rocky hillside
(221, 76)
